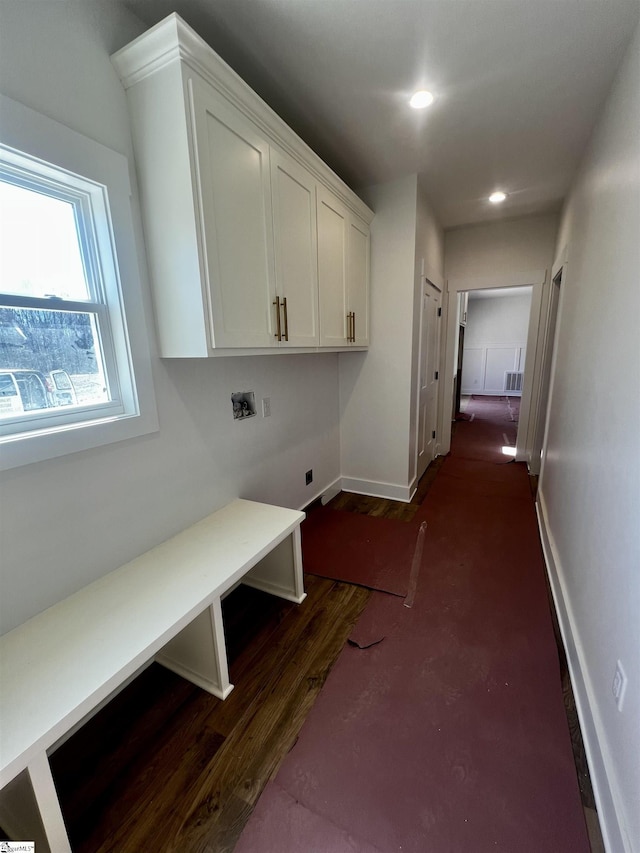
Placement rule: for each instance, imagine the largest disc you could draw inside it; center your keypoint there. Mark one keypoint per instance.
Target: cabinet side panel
(358, 270)
(163, 165)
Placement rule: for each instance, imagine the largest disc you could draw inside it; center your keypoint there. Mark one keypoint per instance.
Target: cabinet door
(358, 281)
(296, 252)
(233, 189)
(332, 268)
(463, 307)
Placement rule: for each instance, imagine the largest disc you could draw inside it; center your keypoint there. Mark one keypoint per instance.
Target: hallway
(441, 726)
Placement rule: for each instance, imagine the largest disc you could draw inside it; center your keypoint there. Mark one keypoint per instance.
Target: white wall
(67, 521)
(590, 479)
(501, 248)
(495, 340)
(498, 319)
(429, 239)
(429, 263)
(377, 388)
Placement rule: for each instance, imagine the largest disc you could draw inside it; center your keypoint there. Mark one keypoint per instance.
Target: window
(54, 320)
(74, 364)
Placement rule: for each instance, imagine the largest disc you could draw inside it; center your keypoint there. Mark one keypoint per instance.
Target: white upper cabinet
(234, 195)
(463, 307)
(343, 273)
(333, 225)
(253, 242)
(358, 281)
(293, 191)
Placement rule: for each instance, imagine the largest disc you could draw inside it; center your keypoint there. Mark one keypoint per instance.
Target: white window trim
(50, 142)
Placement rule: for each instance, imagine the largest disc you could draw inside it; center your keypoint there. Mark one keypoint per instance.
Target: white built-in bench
(58, 667)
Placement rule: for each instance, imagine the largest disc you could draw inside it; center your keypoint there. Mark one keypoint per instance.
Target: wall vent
(513, 382)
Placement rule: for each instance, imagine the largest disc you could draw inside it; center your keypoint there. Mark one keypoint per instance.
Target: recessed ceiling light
(420, 100)
(497, 197)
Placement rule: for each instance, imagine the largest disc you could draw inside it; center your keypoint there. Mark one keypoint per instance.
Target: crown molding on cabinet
(173, 40)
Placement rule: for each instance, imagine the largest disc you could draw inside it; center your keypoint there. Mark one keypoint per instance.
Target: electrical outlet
(619, 685)
(266, 407)
(308, 477)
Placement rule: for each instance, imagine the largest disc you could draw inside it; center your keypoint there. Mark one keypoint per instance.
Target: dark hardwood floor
(381, 507)
(167, 767)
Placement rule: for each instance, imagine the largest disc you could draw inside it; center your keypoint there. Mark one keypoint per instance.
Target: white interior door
(545, 382)
(428, 377)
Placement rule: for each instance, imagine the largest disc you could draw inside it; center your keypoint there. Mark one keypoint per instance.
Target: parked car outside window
(10, 399)
(60, 389)
(24, 390)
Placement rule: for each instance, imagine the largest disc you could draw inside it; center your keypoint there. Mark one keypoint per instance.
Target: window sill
(25, 449)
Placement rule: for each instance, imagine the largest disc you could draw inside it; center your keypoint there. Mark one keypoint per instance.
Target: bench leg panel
(199, 654)
(280, 571)
(46, 798)
(28, 812)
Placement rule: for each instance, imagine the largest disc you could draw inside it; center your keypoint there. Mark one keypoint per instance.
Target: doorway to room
(492, 348)
(493, 362)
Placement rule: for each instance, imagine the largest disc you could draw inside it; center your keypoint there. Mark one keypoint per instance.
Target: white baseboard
(413, 485)
(378, 490)
(590, 724)
(331, 491)
(325, 495)
(363, 487)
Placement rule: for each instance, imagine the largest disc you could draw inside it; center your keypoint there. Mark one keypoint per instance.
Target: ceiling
(518, 83)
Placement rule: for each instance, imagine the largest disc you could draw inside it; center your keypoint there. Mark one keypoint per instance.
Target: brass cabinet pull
(353, 327)
(286, 319)
(278, 334)
(351, 317)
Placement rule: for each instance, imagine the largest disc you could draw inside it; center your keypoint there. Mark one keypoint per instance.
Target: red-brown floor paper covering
(484, 437)
(360, 549)
(290, 826)
(450, 734)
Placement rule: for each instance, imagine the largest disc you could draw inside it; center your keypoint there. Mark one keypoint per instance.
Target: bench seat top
(58, 666)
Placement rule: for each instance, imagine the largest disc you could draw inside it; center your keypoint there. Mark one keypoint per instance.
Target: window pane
(39, 249)
(49, 359)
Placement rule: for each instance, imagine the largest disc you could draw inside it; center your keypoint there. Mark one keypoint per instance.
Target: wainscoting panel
(484, 366)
